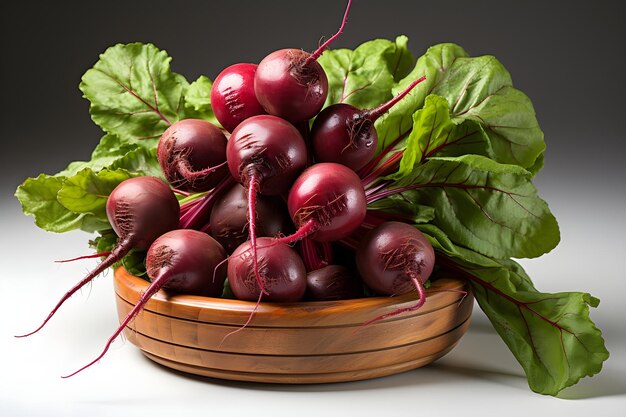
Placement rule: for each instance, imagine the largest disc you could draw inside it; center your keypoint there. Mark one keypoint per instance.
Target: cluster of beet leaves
(328, 175)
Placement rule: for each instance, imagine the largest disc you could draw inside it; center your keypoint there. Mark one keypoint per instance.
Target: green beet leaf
(74, 198)
(403, 205)
(550, 334)
(88, 191)
(105, 241)
(489, 207)
(481, 89)
(433, 64)
(110, 150)
(38, 197)
(364, 77)
(435, 134)
(133, 92)
(477, 89)
(198, 100)
(134, 261)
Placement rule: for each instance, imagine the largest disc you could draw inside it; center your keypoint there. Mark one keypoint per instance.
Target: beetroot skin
(329, 200)
(393, 256)
(288, 86)
(140, 210)
(229, 217)
(281, 269)
(233, 99)
(192, 155)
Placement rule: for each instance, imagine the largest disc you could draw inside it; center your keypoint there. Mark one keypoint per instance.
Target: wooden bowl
(295, 343)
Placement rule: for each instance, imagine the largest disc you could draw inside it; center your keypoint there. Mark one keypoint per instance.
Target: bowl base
(324, 378)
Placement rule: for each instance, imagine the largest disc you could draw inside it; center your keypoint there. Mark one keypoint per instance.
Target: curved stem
(421, 291)
(375, 113)
(367, 169)
(116, 254)
(305, 230)
(330, 40)
(154, 287)
(391, 164)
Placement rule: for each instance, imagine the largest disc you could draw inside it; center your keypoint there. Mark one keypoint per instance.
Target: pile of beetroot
(275, 198)
(268, 186)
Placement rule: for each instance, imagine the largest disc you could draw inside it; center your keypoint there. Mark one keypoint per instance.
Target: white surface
(479, 377)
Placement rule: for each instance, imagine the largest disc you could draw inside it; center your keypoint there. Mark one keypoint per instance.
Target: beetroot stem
(367, 169)
(375, 113)
(201, 208)
(116, 254)
(305, 230)
(330, 40)
(389, 165)
(154, 287)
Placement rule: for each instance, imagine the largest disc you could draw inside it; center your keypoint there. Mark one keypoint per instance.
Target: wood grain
(303, 342)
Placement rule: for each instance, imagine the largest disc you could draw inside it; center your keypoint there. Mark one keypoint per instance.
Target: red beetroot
(327, 202)
(180, 261)
(139, 210)
(265, 153)
(396, 258)
(192, 155)
(281, 269)
(233, 99)
(269, 149)
(346, 135)
(332, 282)
(291, 84)
(229, 217)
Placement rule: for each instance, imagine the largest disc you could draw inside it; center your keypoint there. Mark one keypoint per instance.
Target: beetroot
(269, 149)
(346, 135)
(327, 202)
(291, 84)
(192, 155)
(332, 282)
(139, 210)
(180, 261)
(265, 153)
(396, 258)
(281, 269)
(229, 217)
(233, 99)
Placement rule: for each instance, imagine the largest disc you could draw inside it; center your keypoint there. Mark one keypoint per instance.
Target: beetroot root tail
(154, 287)
(192, 176)
(421, 291)
(253, 186)
(116, 255)
(78, 258)
(256, 306)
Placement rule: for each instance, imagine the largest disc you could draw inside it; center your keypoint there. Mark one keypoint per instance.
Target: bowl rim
(443, 292)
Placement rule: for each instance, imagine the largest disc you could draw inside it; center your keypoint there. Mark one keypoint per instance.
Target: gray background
(567, 56)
